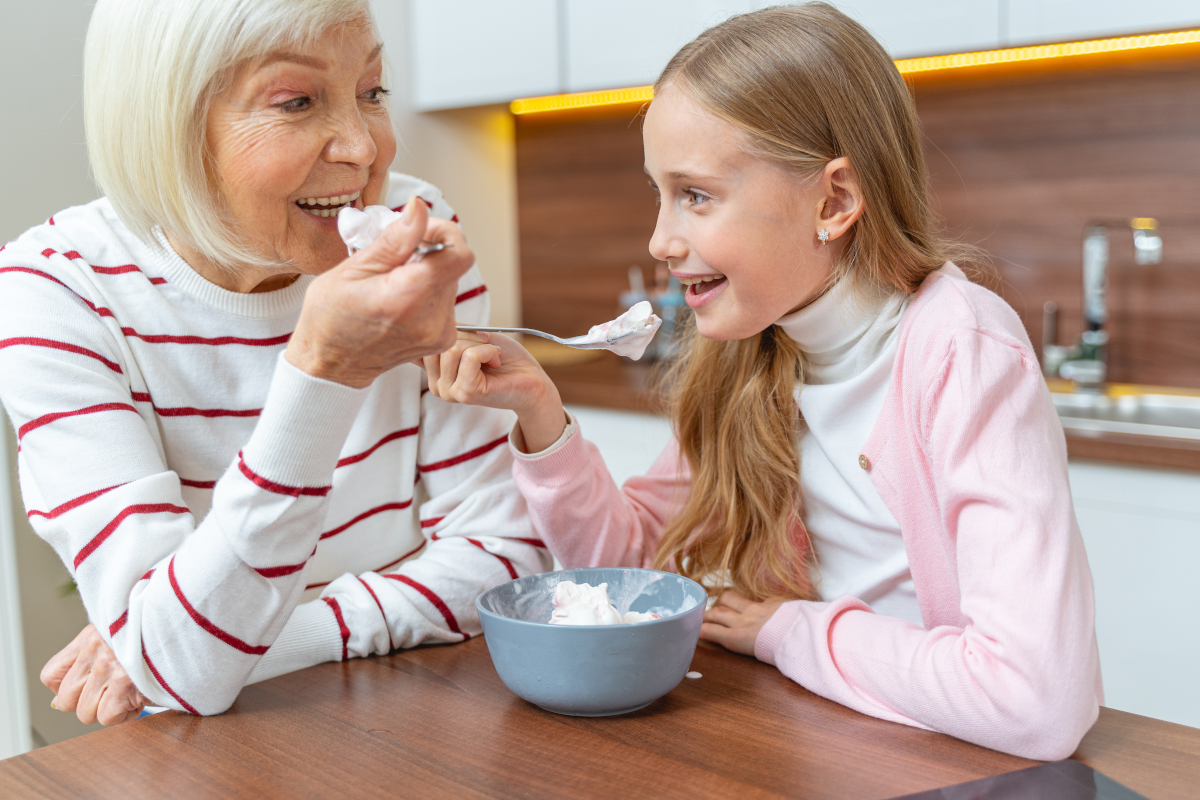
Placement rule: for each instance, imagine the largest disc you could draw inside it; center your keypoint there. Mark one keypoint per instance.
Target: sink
(1170, 416)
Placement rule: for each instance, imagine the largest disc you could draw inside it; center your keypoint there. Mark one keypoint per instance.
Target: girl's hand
(734, 622)
(86, 678)
(491, 369)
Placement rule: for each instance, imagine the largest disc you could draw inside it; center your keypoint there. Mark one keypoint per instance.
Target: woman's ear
(841, 203)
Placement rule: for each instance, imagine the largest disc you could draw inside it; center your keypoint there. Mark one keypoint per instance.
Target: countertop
(436, 722)
(613, 382)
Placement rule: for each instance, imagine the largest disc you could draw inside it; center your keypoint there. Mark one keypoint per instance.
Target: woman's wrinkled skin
(292, 126)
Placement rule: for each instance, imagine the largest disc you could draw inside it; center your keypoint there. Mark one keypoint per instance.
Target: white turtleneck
(849, 344)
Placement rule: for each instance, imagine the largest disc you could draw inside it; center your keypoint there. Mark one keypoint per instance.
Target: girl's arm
(1020, 671)
(574, 505)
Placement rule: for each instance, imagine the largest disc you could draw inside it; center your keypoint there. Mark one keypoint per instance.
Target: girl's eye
(695, 197)
(377, 94)
(296, 104)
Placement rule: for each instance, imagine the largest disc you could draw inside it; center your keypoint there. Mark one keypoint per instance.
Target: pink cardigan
(969, 456)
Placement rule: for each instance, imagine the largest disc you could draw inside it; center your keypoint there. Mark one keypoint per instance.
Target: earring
(823, 235)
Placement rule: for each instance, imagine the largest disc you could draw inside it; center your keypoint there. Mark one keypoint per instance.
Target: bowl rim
(482, 611)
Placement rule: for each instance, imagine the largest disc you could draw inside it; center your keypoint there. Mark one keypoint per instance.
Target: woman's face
(745, 225)
(297, 136)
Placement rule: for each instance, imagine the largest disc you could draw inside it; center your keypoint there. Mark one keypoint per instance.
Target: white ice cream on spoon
(584, 604)
(359, 229)
(628, 335)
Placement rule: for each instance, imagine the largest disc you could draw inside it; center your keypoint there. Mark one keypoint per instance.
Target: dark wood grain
(1020, 163)
(1125, 448)
(438, 723)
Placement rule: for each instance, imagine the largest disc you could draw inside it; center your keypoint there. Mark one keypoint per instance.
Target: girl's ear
(841, 203)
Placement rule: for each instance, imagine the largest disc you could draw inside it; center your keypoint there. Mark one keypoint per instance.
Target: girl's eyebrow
(686, 176)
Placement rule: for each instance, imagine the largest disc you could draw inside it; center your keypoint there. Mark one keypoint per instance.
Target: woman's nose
(352, 142)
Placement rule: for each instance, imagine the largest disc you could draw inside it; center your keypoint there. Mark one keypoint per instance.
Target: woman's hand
(491, 369)
(86, 678)
(374, 311)
(734, 622)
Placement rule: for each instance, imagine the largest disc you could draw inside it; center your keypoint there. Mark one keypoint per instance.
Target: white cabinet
(908, 28)
(618, 43)
(1141, 528)
(1031, 21)
(475, 52)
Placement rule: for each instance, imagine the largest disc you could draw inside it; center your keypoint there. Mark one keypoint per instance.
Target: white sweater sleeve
(477, 528)
(188, 607)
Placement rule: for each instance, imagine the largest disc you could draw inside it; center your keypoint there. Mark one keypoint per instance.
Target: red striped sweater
(226, 516)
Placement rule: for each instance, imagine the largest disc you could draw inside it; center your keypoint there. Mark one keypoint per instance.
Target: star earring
(823, 235)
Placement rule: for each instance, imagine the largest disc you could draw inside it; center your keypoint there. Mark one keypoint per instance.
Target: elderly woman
(220, 432)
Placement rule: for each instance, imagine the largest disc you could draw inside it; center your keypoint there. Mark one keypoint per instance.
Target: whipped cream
(584, 604)
(359, 229)
(628, 335)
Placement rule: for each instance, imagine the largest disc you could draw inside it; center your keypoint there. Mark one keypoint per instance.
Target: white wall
(470, 155)
(43, 169)
(15, 733)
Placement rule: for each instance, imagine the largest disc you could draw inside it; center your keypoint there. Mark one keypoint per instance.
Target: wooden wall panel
(1019, 164)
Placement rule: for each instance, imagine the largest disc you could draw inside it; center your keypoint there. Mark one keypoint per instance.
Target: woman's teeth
(326, 206)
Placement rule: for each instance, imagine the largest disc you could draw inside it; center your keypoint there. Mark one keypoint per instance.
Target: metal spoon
(571, 342)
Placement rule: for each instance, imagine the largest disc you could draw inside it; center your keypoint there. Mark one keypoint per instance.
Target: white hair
(151, 70)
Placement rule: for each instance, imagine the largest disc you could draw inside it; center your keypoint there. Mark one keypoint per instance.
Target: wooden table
(437, 722)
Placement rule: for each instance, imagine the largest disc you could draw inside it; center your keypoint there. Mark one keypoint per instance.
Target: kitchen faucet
(1086, 362)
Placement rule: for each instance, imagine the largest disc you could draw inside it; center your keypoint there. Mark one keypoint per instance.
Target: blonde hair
(151, 70)
(806, 84)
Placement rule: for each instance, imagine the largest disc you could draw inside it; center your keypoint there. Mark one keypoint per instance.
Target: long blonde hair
(807, 84)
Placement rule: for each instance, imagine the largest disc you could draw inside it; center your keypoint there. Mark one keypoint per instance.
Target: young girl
(866, 459)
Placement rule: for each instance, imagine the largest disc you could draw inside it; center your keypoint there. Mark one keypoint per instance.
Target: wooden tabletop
(437, 722)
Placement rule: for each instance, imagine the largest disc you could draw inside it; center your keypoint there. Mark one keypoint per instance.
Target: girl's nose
(666, 244)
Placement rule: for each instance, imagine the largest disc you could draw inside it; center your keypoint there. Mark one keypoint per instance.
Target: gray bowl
(593, 670)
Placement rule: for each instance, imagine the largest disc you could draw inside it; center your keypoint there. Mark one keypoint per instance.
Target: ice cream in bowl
(593, 642)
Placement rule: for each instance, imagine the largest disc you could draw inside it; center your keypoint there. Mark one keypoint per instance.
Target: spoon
(573, 341)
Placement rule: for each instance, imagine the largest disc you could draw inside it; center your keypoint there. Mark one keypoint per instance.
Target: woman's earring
(823, 235)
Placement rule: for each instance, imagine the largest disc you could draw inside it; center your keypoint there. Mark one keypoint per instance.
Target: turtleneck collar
(844, 330)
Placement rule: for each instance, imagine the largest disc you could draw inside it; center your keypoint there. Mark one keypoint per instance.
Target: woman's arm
(1022, 674)
(478, 536)
(190, 608)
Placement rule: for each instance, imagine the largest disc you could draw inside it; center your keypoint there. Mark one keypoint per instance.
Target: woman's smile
(329, 205)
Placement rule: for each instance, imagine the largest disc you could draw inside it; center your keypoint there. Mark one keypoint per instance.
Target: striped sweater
(226, 516)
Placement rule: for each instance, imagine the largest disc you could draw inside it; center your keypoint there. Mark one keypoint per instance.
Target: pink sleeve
(1021, 674)
(577, 509)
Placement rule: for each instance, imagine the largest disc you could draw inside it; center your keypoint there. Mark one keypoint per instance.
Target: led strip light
(906, 66)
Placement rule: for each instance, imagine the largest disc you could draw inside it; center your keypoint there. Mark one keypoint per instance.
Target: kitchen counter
(437, 722)
(617, 383)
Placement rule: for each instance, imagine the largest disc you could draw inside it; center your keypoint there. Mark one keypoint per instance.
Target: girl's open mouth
(701, 291)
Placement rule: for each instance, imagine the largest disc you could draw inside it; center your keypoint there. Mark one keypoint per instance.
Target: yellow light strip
(906, 66)
(1014, 55)
(559, 102)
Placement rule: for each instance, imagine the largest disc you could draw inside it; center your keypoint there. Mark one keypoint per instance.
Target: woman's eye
(695, 197)
(377, 94)
(296, 104)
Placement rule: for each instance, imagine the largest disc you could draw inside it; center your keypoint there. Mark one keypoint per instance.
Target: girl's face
(741, 230)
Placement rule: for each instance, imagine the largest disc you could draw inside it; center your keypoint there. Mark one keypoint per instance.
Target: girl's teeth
(700, 279)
